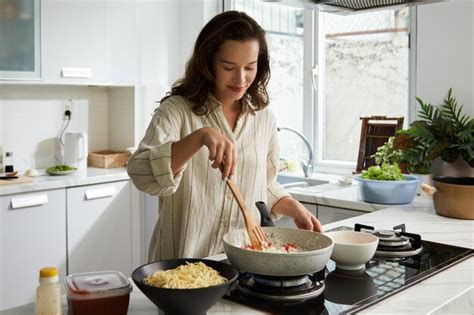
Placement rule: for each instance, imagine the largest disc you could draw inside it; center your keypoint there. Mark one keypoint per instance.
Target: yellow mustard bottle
(48, 293)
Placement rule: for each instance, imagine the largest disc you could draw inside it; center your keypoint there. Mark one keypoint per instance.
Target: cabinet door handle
(100, 192)
(29, 201)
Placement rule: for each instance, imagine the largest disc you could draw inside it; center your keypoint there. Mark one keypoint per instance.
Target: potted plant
(388, 154)
(409, 155)
(442, 131)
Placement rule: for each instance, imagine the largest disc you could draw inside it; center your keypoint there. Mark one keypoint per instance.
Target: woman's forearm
(184, 149)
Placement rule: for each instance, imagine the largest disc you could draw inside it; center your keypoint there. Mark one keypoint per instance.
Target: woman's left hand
(301, 216)
(305, 219)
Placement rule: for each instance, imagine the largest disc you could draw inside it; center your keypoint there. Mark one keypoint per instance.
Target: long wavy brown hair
(199, 76)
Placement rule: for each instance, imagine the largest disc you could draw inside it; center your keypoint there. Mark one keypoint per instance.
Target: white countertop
(90, 176)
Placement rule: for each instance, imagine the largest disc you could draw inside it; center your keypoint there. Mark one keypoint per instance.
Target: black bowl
(184, 301)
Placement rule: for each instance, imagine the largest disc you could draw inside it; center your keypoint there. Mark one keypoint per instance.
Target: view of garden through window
(363, 62)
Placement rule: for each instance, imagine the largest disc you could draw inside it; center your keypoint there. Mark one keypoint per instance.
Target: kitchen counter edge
(87, 177)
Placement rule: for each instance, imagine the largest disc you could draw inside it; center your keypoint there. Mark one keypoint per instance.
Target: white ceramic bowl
(352, 249)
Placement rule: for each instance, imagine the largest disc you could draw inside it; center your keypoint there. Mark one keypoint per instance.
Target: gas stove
(402, 260)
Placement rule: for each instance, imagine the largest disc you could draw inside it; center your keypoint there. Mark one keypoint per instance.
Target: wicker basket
(108, 159)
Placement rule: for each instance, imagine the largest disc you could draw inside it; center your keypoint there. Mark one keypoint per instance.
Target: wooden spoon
(255, 232)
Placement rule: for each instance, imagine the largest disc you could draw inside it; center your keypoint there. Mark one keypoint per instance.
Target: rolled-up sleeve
(150, 166)
(274, 190)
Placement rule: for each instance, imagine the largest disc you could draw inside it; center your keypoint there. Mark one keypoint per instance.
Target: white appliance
(76, 149)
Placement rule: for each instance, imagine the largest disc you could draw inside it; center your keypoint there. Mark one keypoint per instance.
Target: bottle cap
(8, 154)
(48, 272)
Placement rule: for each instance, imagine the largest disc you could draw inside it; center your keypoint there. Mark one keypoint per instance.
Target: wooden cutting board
(19, 180)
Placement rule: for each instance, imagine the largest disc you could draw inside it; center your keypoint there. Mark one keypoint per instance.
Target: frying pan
(317, 249)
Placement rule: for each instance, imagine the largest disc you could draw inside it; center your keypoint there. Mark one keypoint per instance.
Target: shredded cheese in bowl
(189, 276)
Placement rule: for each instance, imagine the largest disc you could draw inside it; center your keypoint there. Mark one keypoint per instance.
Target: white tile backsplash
(31, 118)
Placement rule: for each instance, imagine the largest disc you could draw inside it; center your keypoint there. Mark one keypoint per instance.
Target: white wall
(167, 31)
(445, 51)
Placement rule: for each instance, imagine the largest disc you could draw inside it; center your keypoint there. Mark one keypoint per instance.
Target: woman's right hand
(222, 151)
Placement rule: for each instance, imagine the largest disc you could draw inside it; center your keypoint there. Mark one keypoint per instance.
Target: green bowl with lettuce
(387, 185)
(61, 169)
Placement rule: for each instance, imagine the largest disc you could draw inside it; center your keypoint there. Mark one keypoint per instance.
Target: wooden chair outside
(375, 131)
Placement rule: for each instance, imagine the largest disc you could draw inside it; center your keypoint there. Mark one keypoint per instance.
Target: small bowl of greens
(387, 185)
(61, 169)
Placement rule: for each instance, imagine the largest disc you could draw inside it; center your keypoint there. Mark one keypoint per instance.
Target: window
(364, 66)
(325, 77)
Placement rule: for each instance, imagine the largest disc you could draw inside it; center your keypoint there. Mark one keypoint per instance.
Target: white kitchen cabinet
(89, 42)
(32, 236)
(99, 227)
(288, 222)
(331, 214)
(74, 36)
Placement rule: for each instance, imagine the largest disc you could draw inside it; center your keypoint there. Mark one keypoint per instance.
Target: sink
(294, 181)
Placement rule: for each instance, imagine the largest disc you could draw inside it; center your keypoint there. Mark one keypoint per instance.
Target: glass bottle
(48, 293)
(8, 162)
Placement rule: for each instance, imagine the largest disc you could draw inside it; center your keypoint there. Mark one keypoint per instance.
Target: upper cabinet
(74, 41)
(82, 42)
(122, 42)
(20, 39)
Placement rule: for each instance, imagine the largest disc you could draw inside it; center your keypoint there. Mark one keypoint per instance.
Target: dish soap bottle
(48, 293)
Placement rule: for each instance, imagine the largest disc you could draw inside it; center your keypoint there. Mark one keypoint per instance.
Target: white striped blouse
(196, 206)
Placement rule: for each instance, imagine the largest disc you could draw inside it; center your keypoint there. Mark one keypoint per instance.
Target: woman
(213, 124)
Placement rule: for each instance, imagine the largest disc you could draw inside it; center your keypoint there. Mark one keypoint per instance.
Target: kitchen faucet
(307, 166)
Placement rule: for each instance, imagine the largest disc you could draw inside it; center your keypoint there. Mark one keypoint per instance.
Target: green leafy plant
(442, 131)
(413, 153)
(388, 154)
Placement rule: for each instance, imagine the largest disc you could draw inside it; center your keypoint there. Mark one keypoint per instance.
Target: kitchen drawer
(99, 227)
(32, 236)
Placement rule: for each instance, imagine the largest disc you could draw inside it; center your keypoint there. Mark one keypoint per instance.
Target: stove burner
(390, 240)
(278, 288)
(279, 282)
(393, 243)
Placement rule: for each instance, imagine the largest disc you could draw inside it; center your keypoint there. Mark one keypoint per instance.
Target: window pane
(284, 28)
(365, 61)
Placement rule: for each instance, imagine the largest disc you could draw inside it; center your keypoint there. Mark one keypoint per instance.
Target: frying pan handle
(430, 190)
(266, 219)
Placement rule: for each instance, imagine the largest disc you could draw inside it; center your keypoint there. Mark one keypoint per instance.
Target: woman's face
(235, 68)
